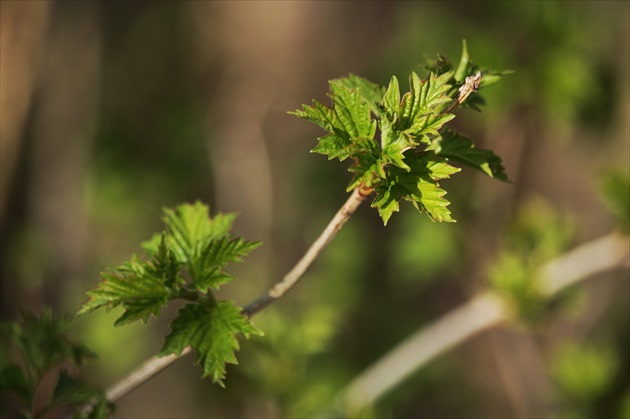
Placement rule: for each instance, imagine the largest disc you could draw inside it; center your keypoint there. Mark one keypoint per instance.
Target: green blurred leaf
(211, 330)
(615, 191)
(535, 236)
(13, 380)
(102, 409)
(42, 343)
(40, 346)
(71, 391)
(583, 372)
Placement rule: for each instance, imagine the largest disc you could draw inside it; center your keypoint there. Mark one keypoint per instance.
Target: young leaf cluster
(37, 350)
(186, 261)
(398, 142)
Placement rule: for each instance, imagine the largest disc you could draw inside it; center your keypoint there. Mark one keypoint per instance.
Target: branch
(300, 268)
(154, 365)
(483, 311)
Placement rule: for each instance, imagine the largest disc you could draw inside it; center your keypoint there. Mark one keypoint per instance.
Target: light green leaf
(418, 186)
(391, 100)
(425, 96)
(211, 330)
(418, 120)
(348, 122)
(352, 111)
(368, 168)
(371, 92)
(462, 68)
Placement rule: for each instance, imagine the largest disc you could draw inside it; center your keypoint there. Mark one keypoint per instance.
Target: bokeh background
(113, 110)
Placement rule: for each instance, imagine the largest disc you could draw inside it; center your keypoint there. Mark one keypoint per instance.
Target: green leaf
(211, 330)
(418, 121)
(598, 365)
(461, 149)
(424, 97)
(101, 409)
(369, 169)
(132, 285)
(391, 100)
(39, 346)
(418, 117)
(348, 122)
(190, 227)
(193, 242)
(371, 92)
(337, 144)
(13, 380)
(205, 268)
(70, 391)
(352, 111)
(42, 342)
(615, 191)
(418, 186)
(462, 69)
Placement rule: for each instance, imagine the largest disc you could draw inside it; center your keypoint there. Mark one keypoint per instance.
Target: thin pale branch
(480, 313)
(154, 365)
(300, 268)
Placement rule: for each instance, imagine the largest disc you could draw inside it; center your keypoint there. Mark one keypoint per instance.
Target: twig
(154, 365)
(483, 311)
(300, 268)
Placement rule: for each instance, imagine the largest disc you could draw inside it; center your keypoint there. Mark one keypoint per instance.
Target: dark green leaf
(42, 343)
(211, 330)
(13, 380)
(70, 391)
(461, 149)
(102, 409)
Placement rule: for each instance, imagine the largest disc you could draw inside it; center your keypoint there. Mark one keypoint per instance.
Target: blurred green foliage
(615, 191)
(35, 368)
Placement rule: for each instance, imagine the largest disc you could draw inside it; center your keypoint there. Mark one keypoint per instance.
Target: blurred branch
(23, 33)
(483, 311)
(154, 365)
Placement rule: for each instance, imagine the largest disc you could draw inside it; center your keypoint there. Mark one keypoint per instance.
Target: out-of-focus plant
(38, 362)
